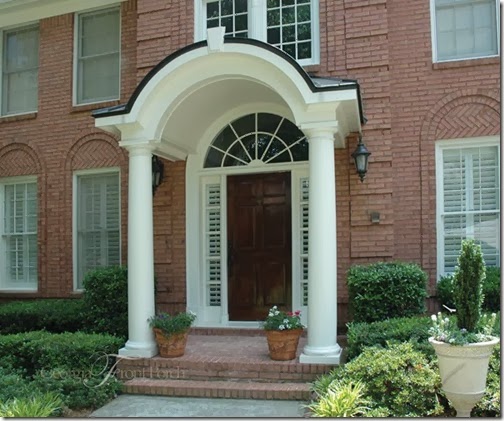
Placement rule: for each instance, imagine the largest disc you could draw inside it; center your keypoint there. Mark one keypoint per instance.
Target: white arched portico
(177, 110)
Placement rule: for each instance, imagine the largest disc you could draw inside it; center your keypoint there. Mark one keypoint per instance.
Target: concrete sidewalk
(172, 407)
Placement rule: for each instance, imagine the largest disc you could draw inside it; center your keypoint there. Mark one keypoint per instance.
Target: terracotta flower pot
(463, 370)
(171, 346)
(283, 344)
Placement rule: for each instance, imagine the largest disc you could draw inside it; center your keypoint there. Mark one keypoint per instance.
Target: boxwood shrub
(403, 329)
(39, 350)
(386, 290)
(106, 300)
(53, 315)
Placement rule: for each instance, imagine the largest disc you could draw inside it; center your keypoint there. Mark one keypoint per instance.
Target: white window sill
(478, 61)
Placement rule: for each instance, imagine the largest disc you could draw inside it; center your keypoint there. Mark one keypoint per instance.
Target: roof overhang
(179, 100)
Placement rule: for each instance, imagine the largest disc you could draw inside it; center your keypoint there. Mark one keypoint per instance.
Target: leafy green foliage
(398, 379)
(468, 278)
(171, 325)
(492, 290)
(341, 399)
(13, 385)
(78, 392)
(37, 406)
(398, 330)
(445, 329)
(53, 315)
(39, 350)
(445, 293)
(106, 300)
(386, 290)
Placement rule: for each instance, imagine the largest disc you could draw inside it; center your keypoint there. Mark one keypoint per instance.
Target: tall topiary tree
(468, 285)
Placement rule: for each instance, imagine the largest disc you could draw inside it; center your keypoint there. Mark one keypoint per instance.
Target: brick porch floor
(227, 363)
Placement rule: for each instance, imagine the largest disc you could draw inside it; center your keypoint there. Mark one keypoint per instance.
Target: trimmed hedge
(386, 290)
(53, 315)
(106, 300)
(404, 329)
(39, 350)
(491, 290)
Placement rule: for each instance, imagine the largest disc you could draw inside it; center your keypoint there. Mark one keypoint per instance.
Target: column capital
(136, 148)
(320, 130)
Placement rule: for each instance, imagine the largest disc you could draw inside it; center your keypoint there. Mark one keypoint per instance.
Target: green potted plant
(283, 329)
(171, 332)
(464, 344)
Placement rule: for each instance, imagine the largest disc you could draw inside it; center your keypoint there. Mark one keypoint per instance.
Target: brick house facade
(411, 102)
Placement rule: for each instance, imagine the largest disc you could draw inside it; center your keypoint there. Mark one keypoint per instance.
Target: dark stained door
(259, 244)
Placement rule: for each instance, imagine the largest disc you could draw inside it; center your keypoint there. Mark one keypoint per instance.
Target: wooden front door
(259, 244)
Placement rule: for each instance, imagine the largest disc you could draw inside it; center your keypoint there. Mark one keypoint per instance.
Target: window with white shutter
(469, 198)
(18, 235)
(20, 63)
(465, 29)
(98, 46)
(213, 244)
(303, 230)
(97, 223)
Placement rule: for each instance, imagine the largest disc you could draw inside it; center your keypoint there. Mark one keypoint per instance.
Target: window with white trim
(20, 63)
(291, 25)
(468, 201)
(97, 56)
(465, 29)
(213, 243)
(18, 234)
(98, 241)
(303, 228)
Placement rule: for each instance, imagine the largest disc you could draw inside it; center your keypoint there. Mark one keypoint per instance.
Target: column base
(324, 355)
(139, 350)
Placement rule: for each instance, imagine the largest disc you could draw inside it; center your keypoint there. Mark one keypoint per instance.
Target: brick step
(218, 389)
(220, 369)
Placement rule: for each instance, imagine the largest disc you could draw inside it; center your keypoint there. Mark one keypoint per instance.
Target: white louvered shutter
(303, 231)
(98, 224)
(471, 202)
(20, 236)
(213, 243)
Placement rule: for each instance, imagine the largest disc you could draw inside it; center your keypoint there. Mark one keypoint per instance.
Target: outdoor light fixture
(361, 156)
(157, 172)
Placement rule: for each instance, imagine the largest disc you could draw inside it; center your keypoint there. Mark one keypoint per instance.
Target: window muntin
(465, 29)
(470, 204)
(19, 236)
(291, 25)
(98, 56)
(232, 14)
(20, 63)
(257, 138)
(98, 223)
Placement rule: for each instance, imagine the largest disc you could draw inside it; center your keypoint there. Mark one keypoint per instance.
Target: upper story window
(97, 56)
(465, 29)
(291, 25)
(20, 63)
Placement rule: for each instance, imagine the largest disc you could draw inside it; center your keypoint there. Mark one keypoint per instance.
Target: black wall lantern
(157, 172)
(361, 157)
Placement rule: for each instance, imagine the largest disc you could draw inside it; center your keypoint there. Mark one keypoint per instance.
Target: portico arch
(179, 108)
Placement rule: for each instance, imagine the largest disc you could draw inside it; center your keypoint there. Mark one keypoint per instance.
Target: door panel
(259, 244)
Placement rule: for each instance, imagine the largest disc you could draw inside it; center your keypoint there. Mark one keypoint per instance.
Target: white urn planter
(463, 370)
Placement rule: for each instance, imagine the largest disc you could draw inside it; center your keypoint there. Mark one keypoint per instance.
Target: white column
(141, 305)
(322, 347)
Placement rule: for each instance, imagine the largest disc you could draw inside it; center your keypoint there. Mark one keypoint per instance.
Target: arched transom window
(257, 139)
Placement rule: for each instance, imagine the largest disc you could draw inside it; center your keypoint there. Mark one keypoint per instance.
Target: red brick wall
(409, 103)
(60, 139)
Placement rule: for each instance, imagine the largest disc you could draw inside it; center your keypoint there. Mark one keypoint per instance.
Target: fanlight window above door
(257, 139)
